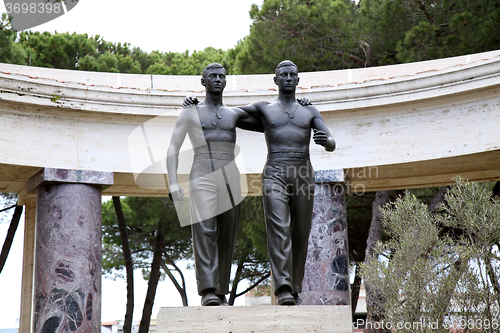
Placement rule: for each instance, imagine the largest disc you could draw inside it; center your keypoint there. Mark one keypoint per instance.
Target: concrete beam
(395, 118)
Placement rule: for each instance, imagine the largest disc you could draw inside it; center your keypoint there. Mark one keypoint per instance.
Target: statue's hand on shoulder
(176, 193)
(190, 101)
(304, 101)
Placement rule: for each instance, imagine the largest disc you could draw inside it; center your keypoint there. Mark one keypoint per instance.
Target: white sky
(151, 25)
(164, 25)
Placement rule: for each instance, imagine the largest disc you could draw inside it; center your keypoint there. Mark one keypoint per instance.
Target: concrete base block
(255, 319)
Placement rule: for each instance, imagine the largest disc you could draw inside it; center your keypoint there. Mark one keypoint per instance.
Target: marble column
(67, 291)
(326, 278)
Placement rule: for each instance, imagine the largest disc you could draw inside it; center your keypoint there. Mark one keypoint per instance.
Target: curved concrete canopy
(401, 126)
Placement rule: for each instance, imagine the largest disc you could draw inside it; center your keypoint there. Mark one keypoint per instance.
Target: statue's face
(215, 80)
(287, 78)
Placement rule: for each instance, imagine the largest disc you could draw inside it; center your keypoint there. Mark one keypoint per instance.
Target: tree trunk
(129, 267)
(265, 276)
(367, 49)
(496, 189)
(153, 280)
(492, 275)
(183, 295)
(438, 198)
(355, 286)
(14, 223)
(237, 277)
(374, 235)
(181, 290)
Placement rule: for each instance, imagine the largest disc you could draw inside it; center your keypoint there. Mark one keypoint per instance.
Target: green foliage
(316, 35)
(10, 52)
(359, 215)
(174, 63)
(438, 29)
(229, 61)
(142, 216)
(60, 51)
(55, 98)
(78, 51)
(381, 24)
(7, 200)
(438, 267)
(326, 35)
(81, 52)
(251, 245)
(471, 210)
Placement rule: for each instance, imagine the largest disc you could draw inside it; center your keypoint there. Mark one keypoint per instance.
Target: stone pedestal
(253, 319)
(326, 278)
(67, 295)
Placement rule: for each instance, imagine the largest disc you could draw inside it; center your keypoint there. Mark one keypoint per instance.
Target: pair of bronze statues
(214, 182)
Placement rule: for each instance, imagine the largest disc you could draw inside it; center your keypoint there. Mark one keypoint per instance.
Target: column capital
(330, 176)
(54, 176)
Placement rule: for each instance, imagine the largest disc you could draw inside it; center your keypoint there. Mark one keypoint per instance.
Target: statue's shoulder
(311, 108)
(262, 105)
(234, 109)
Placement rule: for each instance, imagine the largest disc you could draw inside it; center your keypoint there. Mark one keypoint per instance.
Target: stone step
(255, 319)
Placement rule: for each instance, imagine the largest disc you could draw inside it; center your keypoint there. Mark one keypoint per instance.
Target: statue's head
(287, 76)
(211, 67)
(285, 63)
(214, 78)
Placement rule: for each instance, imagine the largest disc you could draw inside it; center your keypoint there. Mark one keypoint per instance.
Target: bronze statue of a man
(288, 180)
(214, 182)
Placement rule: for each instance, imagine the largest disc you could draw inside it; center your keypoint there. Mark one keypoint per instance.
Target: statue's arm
(249, 119)
(178, 137)
(249, 123)
(321, 134)
(252, 119)
(254, 109)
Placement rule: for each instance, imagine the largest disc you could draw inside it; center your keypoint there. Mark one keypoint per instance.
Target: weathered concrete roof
(398, 126)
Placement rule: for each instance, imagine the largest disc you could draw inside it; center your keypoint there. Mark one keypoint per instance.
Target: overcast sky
(164, 25)
(151, 25)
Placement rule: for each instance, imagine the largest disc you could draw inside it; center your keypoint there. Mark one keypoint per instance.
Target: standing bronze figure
(214, 182)
(288, 180)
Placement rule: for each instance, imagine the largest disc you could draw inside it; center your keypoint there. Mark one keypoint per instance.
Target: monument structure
(288, 179)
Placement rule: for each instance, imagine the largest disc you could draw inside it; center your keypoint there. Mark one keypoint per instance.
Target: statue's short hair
(285, 63)
(211, 66)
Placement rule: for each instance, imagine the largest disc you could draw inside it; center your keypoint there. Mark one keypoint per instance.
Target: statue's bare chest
(276, 115)
(217, 119)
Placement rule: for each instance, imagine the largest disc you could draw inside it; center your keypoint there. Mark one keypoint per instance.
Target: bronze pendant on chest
(285, 111)
(217, 117)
